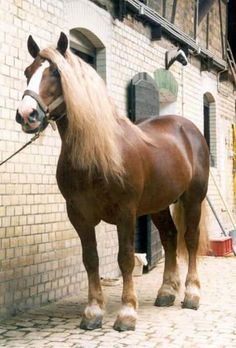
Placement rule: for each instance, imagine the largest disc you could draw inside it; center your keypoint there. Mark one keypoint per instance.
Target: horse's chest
(94, 207)
(94, 202)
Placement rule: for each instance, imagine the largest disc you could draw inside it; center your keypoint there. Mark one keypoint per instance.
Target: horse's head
(42, 100)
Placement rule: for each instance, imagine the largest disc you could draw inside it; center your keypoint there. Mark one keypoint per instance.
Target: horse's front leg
(126, 319)
(93, 314)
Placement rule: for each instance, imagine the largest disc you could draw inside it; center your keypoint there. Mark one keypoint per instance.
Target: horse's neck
(62, 126)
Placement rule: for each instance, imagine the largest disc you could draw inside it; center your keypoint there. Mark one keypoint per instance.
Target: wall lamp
(175, 55)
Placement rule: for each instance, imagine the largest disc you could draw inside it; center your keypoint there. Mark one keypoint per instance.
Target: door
(143, 103)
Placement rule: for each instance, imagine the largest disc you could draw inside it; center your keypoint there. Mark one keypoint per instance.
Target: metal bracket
(175, 55)
(156, 32)
(206, 63)
(120, 9)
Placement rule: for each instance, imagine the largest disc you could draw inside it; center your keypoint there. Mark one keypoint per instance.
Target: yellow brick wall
(35, 236)
(40, 253)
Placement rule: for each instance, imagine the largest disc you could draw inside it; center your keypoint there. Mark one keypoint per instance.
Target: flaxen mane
(94, 125)
(93, 128)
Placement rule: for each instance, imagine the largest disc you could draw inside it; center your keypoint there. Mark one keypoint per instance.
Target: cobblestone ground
(214, 324)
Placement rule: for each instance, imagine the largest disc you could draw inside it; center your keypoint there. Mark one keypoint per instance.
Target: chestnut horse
(112, 170)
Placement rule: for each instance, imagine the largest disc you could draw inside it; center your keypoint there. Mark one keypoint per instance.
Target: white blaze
(28, 103)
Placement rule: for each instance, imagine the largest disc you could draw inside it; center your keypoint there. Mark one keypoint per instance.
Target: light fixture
(175, 55)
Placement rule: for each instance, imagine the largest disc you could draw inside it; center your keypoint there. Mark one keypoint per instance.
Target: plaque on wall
(143, 97)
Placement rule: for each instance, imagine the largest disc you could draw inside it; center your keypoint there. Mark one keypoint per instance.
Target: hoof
(126, 319)
(91, 324)
(165, 301)
(191, 303)
(124, 324)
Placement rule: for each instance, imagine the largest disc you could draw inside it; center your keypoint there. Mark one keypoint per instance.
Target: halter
(47, 109)
(44, 116)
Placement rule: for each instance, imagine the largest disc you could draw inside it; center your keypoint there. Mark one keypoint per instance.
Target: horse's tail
(179, 220)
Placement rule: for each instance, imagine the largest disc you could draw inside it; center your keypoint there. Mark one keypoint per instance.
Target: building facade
(40, 253)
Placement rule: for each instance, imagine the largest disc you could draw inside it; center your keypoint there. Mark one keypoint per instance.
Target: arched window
(209, 129)
(89, 47)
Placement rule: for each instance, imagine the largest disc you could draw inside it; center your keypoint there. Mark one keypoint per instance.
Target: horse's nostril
(19, 118)
(33, 116)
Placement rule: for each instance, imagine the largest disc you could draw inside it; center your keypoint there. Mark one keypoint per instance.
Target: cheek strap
(57, 102)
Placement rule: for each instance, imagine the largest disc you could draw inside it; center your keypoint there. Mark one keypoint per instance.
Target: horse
(113, 170)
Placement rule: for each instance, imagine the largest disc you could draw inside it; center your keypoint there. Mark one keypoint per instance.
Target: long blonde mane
(93, 122)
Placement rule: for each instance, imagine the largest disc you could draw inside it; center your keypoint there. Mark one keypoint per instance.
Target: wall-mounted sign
(143, 97)
(167, 85)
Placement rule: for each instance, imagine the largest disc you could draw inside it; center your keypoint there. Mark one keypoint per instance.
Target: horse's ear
(62, 43)
(33, 48)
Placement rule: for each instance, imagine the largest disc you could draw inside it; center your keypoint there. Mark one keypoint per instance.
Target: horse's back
(169, 129)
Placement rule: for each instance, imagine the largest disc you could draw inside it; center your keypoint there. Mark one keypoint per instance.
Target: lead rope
(35, 137)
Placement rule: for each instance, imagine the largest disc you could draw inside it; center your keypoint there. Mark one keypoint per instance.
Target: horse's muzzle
(37, 116)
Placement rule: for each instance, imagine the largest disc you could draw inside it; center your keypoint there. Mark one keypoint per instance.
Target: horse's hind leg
(168, 235)
(93, 314)
(192, 220)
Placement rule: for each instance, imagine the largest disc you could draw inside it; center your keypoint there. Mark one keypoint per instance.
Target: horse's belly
(160, 193)
(154, 204)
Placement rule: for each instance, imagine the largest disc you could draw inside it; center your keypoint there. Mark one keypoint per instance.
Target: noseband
(44, 113)
(47, 109)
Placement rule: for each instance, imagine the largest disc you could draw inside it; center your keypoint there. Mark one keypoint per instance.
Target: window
(88, 47)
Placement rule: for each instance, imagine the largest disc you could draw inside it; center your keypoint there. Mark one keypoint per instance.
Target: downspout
(196, 21)
(224, 49)
(183, 90)
(226, 95)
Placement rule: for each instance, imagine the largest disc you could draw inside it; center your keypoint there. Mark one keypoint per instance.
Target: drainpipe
(218, 82)
(196, 21)
(182, 81)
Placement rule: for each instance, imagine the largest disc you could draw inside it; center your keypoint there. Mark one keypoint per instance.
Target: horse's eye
(55, 73)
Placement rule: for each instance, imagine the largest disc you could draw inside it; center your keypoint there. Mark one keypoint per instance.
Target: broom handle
(223, 200)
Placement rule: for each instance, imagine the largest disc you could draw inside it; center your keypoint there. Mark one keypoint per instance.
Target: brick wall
(40, 253)
(184, 20)
(214, 41)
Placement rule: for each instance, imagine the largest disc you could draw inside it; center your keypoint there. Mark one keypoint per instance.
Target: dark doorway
(209, 124)
(206, 113)
(143, 103)
(147, 240)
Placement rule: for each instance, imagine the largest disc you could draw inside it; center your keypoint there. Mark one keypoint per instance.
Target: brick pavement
(214, 324)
